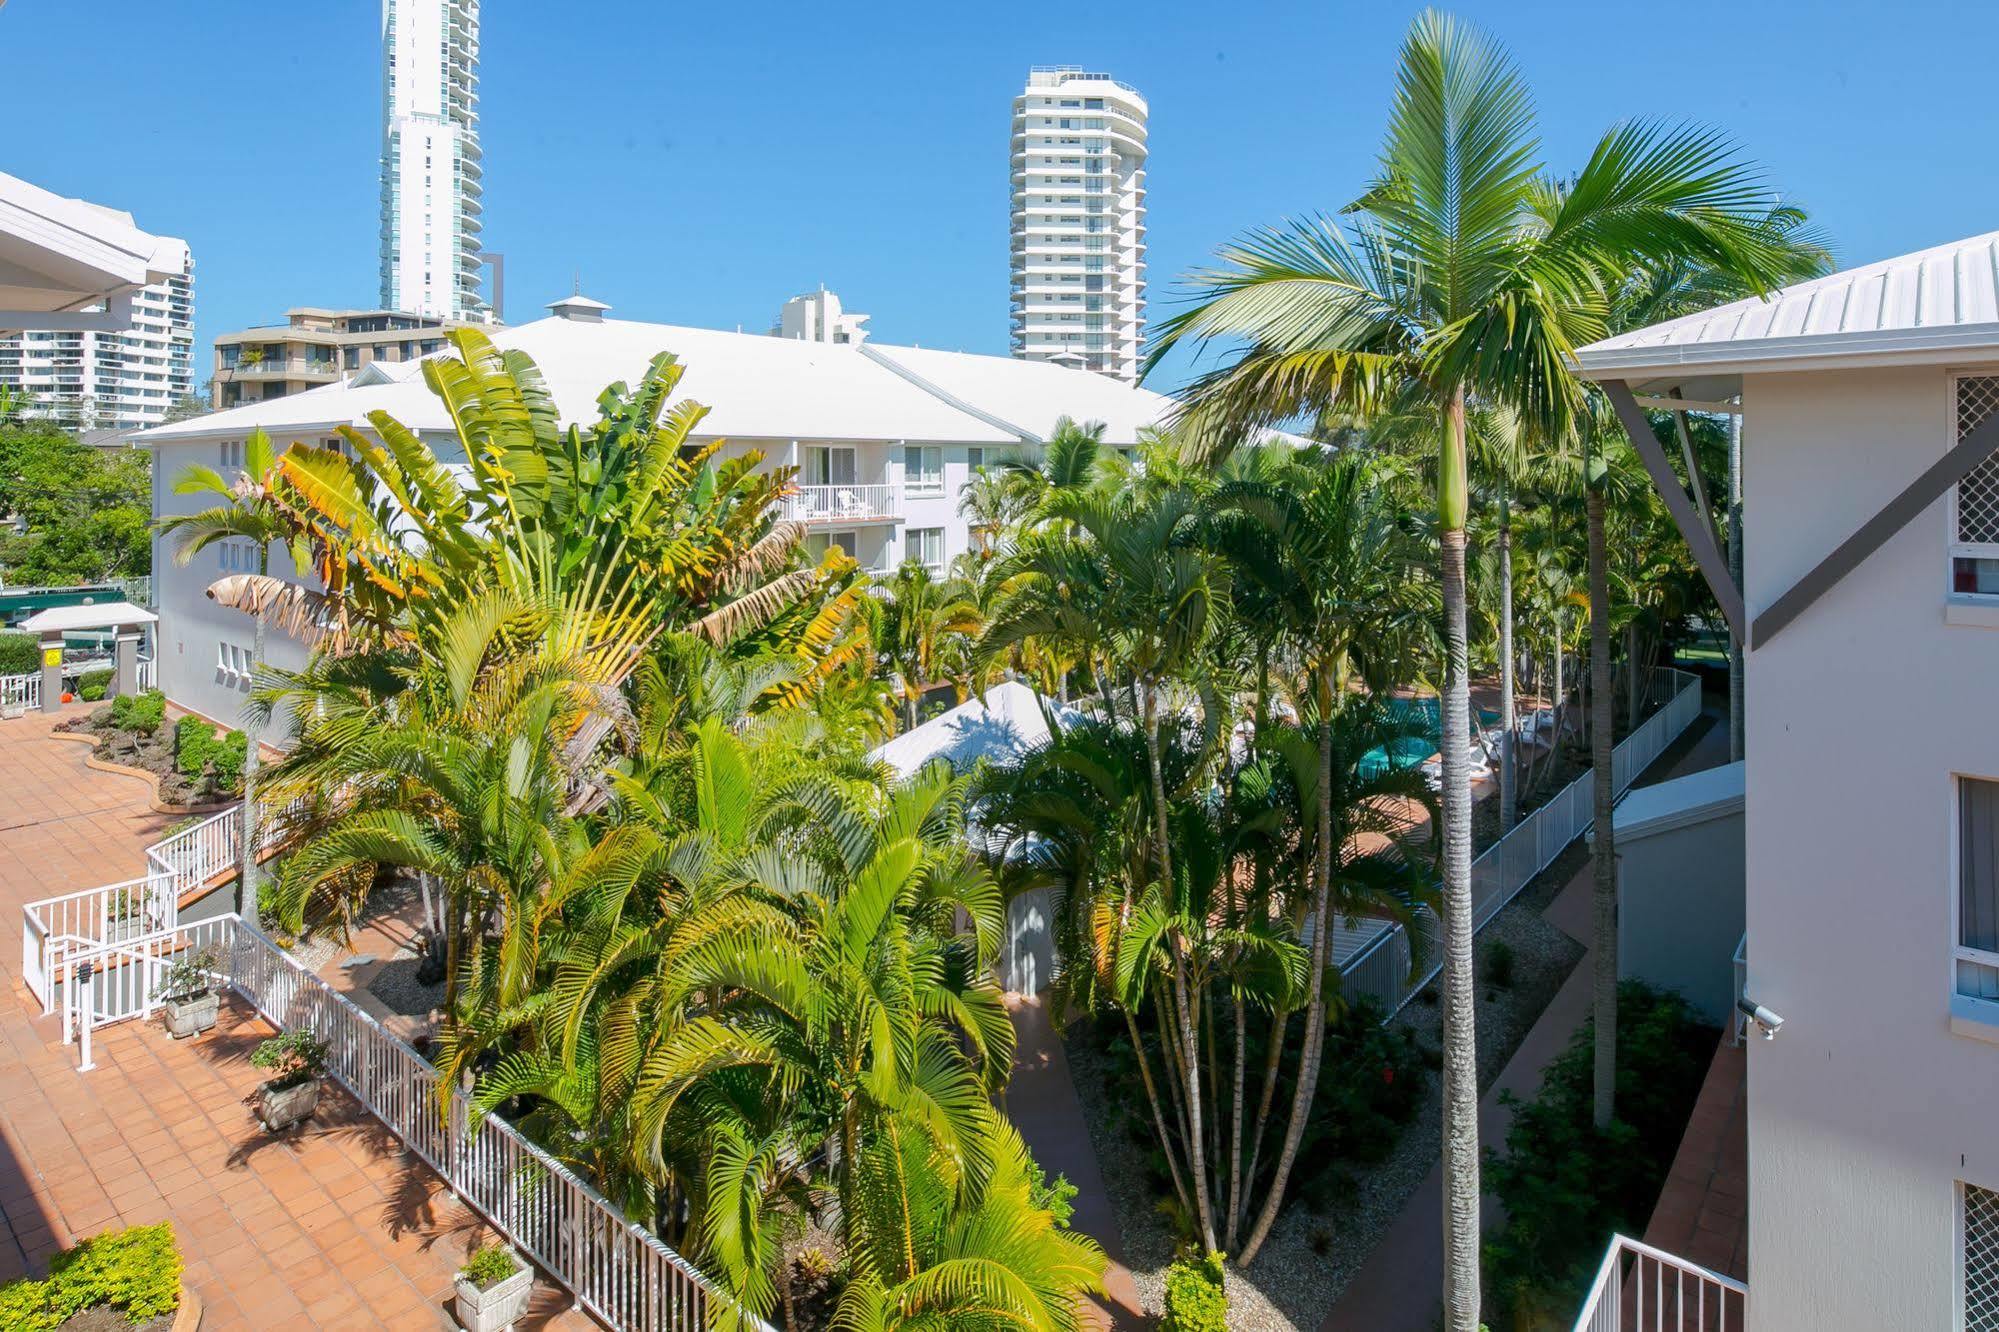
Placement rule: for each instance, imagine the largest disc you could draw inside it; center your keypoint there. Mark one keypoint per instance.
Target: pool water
(1410, 751)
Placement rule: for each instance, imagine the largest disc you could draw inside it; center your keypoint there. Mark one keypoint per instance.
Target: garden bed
(192, 765)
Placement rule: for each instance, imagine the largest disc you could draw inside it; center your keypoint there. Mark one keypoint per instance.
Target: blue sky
(698, 164)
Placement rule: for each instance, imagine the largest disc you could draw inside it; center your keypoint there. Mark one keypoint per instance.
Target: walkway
(331, 1227)
(1703, 1211)
(1041, 1101)
(1399, 1288)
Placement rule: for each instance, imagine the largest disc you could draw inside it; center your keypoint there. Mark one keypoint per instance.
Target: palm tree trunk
(246, 882)
(1197, 1164)
(1509, 797)
(1460, 1110)
(1603, 857)
(1235, 1125)
(1158, 1111)
(1735, 675)
(1315, 1007)
(1280, 1027)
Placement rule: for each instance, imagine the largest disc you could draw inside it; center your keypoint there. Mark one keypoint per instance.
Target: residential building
(817, 317)
(883, 440)
(96, 316)
(317, 346)
(1078, 235)
(432, 168)
(1870, 610)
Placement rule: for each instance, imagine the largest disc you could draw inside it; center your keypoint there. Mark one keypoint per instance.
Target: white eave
(59, 255)
(1936, 306)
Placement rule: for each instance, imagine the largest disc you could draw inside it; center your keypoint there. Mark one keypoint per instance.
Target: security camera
(1766, 1021)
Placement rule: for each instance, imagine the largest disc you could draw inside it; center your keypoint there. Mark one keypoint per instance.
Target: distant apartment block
(121, 377)
(1078, 235)
(817, 317)
(316, 346)
(431, 161)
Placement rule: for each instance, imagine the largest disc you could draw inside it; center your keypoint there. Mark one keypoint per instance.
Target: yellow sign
(52, 656)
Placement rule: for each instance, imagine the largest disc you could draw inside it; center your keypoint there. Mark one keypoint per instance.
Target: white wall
(191, 626)
(1867, 1107)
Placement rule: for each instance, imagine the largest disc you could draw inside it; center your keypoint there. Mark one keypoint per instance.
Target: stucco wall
(191, 626)
(1866, 1109)
(1680, 905)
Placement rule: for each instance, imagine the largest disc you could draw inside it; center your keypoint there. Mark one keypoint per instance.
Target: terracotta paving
(328, 1227)
(1703, 1211)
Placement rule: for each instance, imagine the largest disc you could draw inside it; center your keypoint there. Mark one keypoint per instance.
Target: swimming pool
(1411, 750)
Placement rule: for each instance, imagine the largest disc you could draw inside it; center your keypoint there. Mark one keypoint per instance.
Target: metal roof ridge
(944, 395)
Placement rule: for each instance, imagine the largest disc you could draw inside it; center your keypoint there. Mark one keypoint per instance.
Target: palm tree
(251, 507)
(1124, 576)
(1326, 548)
(924, 634)
(1468, 275)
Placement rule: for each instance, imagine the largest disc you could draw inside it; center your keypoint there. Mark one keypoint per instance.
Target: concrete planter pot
(495, 1308)
(192, 1015)
(280, 1109)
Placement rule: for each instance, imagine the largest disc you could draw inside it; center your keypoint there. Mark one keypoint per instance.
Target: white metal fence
(149, 673)
(1381, 970)
(21, 691)
(56, 928)
(1642, 1289)
(617, 1270)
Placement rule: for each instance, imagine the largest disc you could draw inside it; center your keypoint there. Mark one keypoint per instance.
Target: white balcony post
(84, 979)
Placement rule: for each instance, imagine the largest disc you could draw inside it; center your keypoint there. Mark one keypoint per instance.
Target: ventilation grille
(1978, 493)
(1981, 1259)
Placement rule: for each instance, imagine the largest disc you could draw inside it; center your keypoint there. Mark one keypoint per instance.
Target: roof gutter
(945, 396)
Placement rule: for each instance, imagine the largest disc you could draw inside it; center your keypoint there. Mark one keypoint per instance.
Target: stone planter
(192, 1015)
(279, 1110)
(495, 1308)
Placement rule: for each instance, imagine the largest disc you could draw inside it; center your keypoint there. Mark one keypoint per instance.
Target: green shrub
(227, 758)
(20, 654)
(1499, 964)
(194, 743)
(1196, 1300)
(141, 714)
(294, 1057)
(1565, 1185)
(489, 1266)
(1057, 1198)
(136, 1271)
(92, 686)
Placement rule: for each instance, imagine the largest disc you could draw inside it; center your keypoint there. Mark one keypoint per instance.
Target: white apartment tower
(431, 163)
(125, 376)
(1078, 290)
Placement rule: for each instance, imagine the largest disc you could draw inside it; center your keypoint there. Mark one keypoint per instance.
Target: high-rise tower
(1078, 291)
(431, 164)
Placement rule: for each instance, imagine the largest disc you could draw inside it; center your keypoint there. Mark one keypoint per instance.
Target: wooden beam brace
(1698, 532)
(1924, 491)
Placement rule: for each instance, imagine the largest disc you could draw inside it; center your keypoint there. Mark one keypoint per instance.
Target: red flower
(1388, 1075)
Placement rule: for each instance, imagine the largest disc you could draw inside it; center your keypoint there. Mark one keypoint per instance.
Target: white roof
(757, 387)
(59, 254)
(1004, 724)
(103, 615)
(1695, 798)
(1939, 304)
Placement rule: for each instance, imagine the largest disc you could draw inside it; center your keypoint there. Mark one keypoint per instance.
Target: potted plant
(189, 1001)
(296, 1060)
(492, 1289)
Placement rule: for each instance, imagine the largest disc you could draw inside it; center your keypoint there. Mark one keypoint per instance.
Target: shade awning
(102, 615)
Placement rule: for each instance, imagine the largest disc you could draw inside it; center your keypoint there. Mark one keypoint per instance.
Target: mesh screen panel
(1981, 1259)
(1978, 493)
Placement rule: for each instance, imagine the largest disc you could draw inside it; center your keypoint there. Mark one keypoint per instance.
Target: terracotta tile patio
(1703, 1210)
(330, 1227)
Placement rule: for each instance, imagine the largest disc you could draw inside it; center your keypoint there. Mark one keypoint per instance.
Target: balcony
(844, 506)
(272, 369)
(1642, 1289)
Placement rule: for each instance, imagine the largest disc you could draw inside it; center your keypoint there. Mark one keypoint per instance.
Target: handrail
(1606, 1308)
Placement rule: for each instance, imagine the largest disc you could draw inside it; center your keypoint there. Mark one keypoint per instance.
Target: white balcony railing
(844, 504)
(21, 691)
(1642, 1289)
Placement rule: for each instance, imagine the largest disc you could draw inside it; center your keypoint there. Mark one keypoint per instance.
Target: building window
(1975, 512)
(922, 470)
(232, 454)
(925, 546)
(1977, 949)
(1980, 1268)
(233, 660)
(975, 460)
